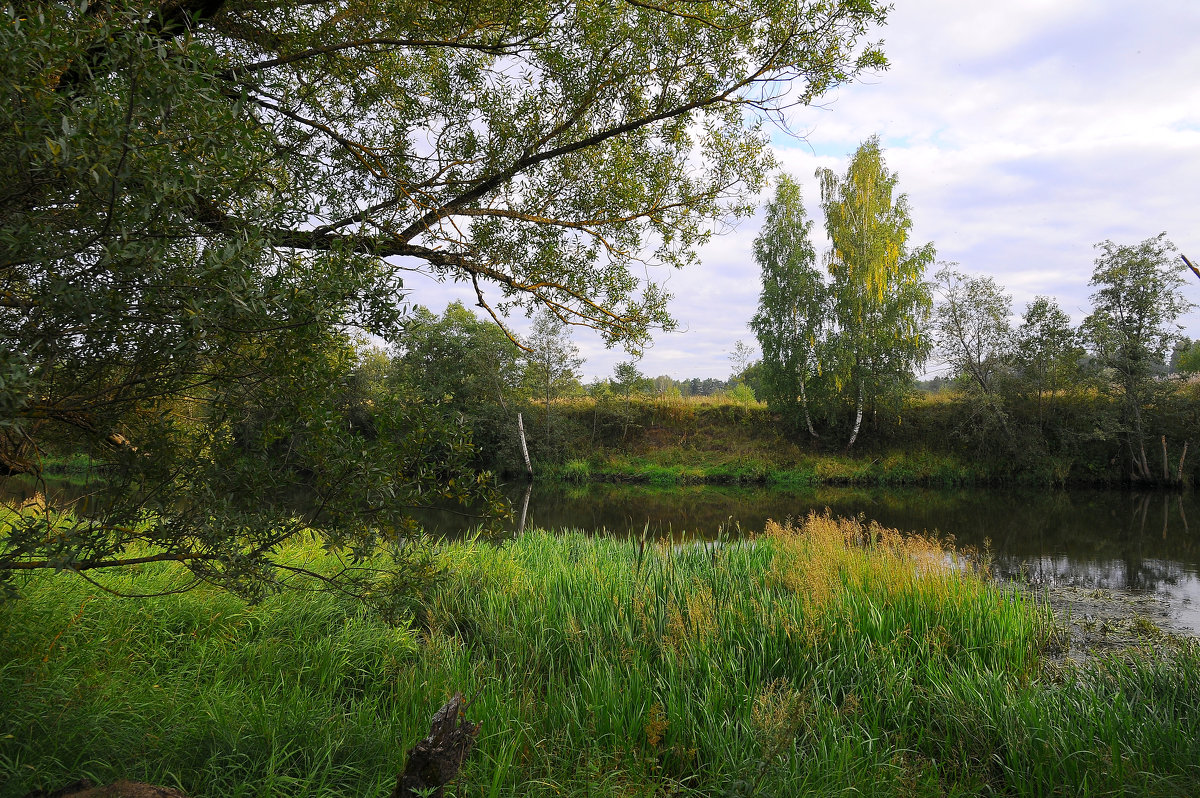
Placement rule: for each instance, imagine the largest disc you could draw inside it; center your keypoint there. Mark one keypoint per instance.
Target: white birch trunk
(524, 448)
(857, 418)
(807, 417)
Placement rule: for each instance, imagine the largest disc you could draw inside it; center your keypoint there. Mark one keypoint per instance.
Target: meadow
(821, 657)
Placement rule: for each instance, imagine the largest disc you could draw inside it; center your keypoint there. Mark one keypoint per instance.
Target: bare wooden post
(524, 448)
(1179, 474)
(1166, 468)
(525, 507)
(1191, 265)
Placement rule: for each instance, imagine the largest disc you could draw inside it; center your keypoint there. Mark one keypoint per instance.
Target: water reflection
(1095, 539)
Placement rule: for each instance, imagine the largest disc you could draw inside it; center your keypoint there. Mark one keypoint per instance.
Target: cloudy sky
(1023, 132)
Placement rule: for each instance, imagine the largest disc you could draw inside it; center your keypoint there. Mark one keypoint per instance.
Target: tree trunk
(524, 448)
(525, 507)
(807, 417)
(547, 414)
(857, 419)
(433, 763)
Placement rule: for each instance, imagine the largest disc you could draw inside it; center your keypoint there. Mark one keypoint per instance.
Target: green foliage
(469, 366)
(1132, 328)
(628, 380)
(880, 301)
(742, 394)
(457, 358)
(1046, 351)
(551, 358)
(1187, 357)
(822, 658)
(202, 200)
(971, 327)
(791, 323)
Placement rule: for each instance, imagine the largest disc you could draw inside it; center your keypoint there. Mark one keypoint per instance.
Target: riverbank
(812, 661)
(934, 441)
(664, 467)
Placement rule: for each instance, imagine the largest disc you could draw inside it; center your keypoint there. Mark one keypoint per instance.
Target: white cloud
(1024, 133)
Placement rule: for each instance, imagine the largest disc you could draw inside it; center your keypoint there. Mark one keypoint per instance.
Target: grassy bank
(805, 469)
(936, 440)
(810, 661)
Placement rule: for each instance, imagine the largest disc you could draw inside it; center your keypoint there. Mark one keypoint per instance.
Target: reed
(822, 656)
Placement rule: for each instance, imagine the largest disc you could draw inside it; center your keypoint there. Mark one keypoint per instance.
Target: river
(1143, 543)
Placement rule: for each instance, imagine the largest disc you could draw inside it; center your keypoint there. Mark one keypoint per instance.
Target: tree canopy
(201, 200)
(793, 305)
(1132, 328)
(880, 300)
(971, 325)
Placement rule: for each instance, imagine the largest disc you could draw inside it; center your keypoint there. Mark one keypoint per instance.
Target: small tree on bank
(1133, 327)
(552, 361)
(971, 327)
(1046, 351)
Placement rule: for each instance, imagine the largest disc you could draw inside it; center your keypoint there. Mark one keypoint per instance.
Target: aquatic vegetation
(821, 656)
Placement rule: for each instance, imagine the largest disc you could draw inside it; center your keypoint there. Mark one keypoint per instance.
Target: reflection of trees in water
(1090, 525)
(78, 492)
(1105, 539)
(1063, 571)
(1085, 525)
(1087, 538)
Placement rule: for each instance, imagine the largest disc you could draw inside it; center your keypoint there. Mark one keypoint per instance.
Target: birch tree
(791, 320)
(880, 300)
(198, 197)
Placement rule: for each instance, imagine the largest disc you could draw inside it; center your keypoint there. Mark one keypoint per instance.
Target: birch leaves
(861, 330)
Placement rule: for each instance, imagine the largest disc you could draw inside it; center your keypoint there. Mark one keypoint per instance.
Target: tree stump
(435, 761)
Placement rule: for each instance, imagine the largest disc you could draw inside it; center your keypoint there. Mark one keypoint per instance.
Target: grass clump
(822, 657)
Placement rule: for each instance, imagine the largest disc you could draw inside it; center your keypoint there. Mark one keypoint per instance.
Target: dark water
(1113, 540)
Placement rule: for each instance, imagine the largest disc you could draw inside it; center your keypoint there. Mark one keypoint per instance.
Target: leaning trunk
(807, 417)
(857, 418)
(1137, 443)
(524, 448)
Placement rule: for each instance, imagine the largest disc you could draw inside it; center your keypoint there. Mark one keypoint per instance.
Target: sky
(1023, 133)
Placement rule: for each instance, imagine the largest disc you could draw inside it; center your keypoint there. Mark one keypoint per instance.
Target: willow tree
(972, 328)
(1131, 329)
(199, 198)
(791, 320)
(880, 300)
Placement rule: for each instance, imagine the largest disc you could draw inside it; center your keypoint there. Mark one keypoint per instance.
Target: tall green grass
(824, 657)
(672, 466)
